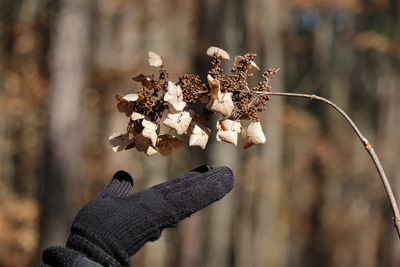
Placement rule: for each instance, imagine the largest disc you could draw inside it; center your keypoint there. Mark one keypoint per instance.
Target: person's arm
(116, 223)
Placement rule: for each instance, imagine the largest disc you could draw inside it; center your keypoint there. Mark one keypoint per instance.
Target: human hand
(116, 224)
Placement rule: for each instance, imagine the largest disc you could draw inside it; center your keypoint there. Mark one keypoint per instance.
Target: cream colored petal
(131, 97)
(199, 137)
(253, 135)
(224, 105)
(151, 134)
(136, 116)
(175, 107)
(219, 52)
(174, 97)
(178, 121)
(149, 125)
(254, 65)
(230, 125)
(149, 131)
(150, 151)
(174, 89)
(155, 59)
(228, 136)
(255, 132)
(227, 131)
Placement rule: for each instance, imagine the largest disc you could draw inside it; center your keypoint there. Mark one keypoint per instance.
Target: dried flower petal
(149, 131)
(166, 144)
(162, 128)
(253, 135)
(223, 105)
(131, 97)
(227, 131)
(124, 106)
(139, 78)
(254, 65)
(136, 116)
(178, 121)
(143, 144)
(150, 151)
(154, 59)
(215, 86)
(174, 97)
(218, 52)
(239, 59)
(199, 136)
(147, 82)
(119, 141)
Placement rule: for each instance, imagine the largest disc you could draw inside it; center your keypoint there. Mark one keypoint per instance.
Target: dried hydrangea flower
(174, 97)
(155, 59)
(159, 110)
(166, 144)
(227, 131)
(223, 104)
(218, 52)
(253, 135)
(178, 121)
(149, 131)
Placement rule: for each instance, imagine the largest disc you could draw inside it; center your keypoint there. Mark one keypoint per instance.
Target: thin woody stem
(368, 147)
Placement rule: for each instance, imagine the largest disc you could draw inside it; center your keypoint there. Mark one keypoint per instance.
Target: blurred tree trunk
(60, 187)
(221, 214)
(191, 230)
(270, 230)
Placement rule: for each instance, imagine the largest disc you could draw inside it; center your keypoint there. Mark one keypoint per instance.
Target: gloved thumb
(120, 185)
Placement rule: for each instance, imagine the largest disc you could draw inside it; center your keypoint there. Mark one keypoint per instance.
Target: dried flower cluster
(160, 110)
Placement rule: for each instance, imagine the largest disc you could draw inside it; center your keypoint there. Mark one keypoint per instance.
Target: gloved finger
(120, 185)
(197, 191)
(202, 169)
(181, 182)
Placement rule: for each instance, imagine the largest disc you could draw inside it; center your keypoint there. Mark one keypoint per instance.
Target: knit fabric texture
(116, 224)
(65, 257)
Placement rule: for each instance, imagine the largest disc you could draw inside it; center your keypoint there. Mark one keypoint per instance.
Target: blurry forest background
(309, 197)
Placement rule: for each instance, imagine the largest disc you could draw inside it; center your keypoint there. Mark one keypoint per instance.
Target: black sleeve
(65, 257)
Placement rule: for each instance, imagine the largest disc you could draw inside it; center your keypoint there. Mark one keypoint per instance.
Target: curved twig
(368, 147)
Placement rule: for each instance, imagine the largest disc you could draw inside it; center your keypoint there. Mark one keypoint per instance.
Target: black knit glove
(116, 224)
